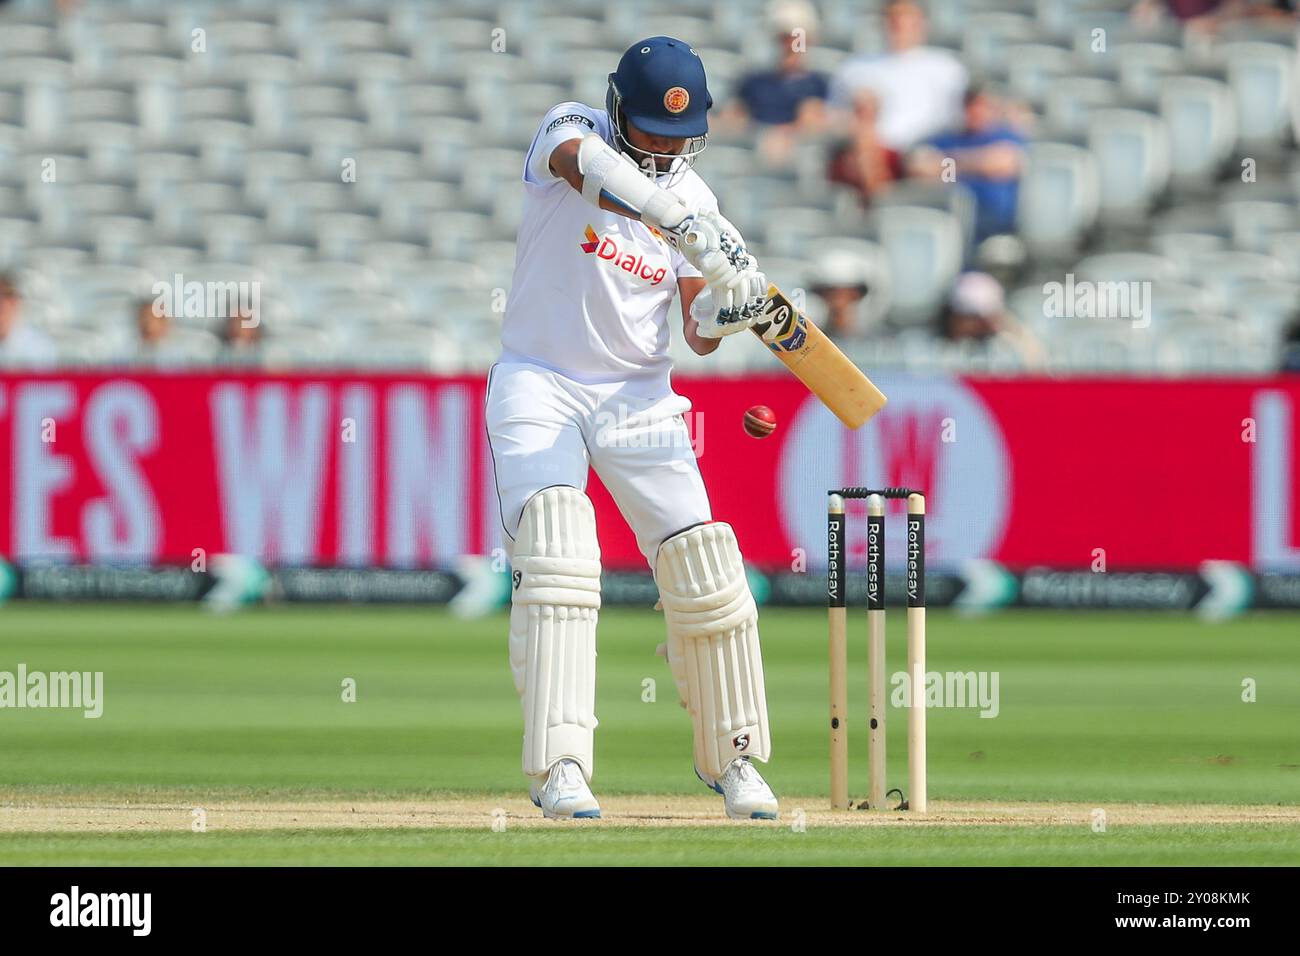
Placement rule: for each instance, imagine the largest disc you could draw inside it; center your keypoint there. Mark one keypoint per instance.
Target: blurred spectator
(241, 340)
(919, 87)
(987, 156)
(842, 280)
(20, 344)
(1291, 348)
(152, 323)
(788, 101)
(862, 160)
(1206, 16)
(977, 312)
(1149, 12)
(789, 94)
(155, 342)
(64, 6)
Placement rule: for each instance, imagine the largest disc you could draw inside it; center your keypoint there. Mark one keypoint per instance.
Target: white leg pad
(554, 603)
(713, 647)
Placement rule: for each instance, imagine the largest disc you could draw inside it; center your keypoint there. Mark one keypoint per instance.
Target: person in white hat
(977, 312)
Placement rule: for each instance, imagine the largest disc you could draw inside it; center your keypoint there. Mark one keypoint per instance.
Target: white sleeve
(564, 122)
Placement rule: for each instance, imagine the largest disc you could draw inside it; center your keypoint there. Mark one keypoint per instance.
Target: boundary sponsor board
(1219, 590)
(362, 471)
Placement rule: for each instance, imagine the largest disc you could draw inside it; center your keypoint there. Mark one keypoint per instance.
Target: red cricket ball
(760, 421)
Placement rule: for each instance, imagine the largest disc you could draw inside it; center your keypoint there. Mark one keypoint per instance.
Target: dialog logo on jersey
(607, 250)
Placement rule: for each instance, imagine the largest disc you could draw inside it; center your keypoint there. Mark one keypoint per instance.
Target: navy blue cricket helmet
(660, 88)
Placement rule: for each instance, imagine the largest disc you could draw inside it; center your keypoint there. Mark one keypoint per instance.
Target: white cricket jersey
(592, 289)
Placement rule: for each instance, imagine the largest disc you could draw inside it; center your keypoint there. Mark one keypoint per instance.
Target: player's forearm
(688, 289)
(698, 343)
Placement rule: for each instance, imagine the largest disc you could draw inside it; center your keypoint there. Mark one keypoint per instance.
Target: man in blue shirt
(789, 100)
(778, 97)
(987, 156)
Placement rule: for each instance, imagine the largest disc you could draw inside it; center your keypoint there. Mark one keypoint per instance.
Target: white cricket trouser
(546, 429)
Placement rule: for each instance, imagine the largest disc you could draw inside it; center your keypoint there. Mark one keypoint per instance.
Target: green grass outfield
(607, 844)
(1098, 709)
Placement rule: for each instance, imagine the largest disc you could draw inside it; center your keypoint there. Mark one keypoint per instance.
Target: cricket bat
(818, 362)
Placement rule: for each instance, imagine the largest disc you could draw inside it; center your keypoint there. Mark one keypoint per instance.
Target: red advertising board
(395, 471)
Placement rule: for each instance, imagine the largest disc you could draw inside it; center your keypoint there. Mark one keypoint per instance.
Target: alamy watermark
(72, 690)
(624, 429)
(209, 300)
(128, 910)
(951, 689)
(1084, 299)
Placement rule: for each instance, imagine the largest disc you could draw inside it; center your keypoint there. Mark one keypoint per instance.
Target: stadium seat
(721, 163)
(1143, 66)
(1266, 306)
(497, 259)
(230, 36)
(230, 236)
(1215, 345)
(1069, 100)
(184, 347)
(310, 287)
(1223, 273)
(1030, 67)
(44, 72)
(794, 228)
(344, 235)
(28, 39)
(952, 198)
(76, 347)
(1082, 345)
(454, 231)
(117, 239)
(1059, 197)
(1201, 117)
(409, 348)
(1029, 306)
(11, 109)
(168, 259)
(1082, 30)
(1252, 223)
(1171, 300)
(172, 161)
(924, 249)
(1262, 79)
(485, 170)
(15, 236)
(1132, 150)
(410, 209)
(986, 36)
(1285, 248)
(1126, 267)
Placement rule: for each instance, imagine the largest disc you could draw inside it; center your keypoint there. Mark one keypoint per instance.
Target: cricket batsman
(615, 222)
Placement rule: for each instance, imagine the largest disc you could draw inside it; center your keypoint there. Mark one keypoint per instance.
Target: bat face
(818, 362)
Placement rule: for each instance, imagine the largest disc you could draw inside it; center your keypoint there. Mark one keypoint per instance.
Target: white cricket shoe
(565, 794)
(747, 795)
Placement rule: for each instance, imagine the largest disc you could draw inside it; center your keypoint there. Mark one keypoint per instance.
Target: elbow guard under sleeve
(610, 175)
